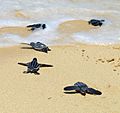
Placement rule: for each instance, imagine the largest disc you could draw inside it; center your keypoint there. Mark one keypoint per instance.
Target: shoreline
(115, 46)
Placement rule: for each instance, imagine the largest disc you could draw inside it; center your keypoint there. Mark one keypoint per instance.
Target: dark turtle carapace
(34, 66)
(40, 47)
(82, 88)
(95, 22)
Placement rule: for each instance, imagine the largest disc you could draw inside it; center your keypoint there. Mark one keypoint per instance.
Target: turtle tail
(93, 91)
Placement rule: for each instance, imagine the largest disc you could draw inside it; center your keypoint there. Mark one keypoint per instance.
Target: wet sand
(21, 31)
(74, 26)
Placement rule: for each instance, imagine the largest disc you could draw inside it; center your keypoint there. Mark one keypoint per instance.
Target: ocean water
(55, 12)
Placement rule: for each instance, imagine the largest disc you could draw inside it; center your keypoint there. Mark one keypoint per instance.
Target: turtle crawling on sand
(95, 22)
(38, 46)
(82, 88)
(34, 66)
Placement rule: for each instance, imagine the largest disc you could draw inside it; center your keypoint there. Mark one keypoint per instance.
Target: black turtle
(38, 46)
(82, 88)
(36, 26)
(95, 22)
(34, 66)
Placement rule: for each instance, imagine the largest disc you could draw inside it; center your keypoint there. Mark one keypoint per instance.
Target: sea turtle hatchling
(38, 46)
(82, 88)
(95, 22)
(34, 66)
(36, 26)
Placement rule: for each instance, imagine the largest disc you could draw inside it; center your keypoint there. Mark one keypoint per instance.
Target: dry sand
(97, 66)
(29, 93)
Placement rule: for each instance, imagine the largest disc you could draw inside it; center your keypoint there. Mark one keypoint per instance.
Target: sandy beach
(97, 66)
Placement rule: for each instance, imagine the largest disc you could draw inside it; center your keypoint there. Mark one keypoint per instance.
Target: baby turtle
(95, 22)
(36, 26)
(38, 46)
(82, 88)
(34, 66)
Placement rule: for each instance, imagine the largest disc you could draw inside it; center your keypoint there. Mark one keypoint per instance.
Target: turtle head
(32, 44)
(35, 59)
(43, 26)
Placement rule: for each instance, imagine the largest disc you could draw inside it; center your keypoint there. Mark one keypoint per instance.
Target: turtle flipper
(26, 47)
(45, 65)
(36, 73)
(25, 43)
(69, 88)
(44, 50)
(23, 64)
(93, 91)
(25, 72)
